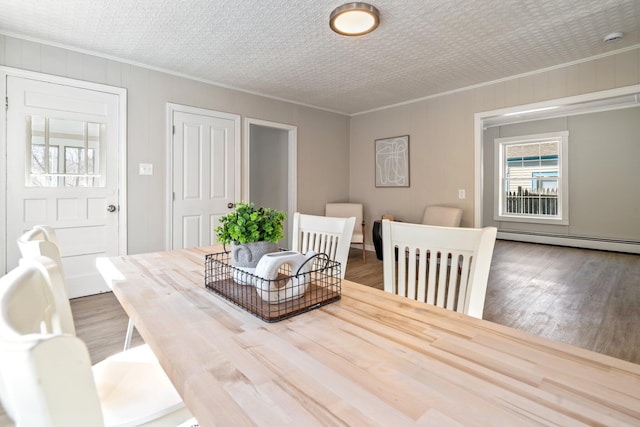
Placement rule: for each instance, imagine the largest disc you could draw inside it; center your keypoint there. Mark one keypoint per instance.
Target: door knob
(231, 205)
(111, 208)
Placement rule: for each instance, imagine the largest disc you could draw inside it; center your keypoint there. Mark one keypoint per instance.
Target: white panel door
(205, 176)
(62, 171)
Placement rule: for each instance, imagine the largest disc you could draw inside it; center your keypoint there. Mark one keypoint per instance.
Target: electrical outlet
(146, 169)
(461, 194)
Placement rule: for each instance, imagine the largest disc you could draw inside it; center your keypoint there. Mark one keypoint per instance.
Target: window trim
(562, 218)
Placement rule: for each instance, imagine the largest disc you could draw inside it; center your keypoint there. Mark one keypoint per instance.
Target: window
(531, 181)
(64, 153)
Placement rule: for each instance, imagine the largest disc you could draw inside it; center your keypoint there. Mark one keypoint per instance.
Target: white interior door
(205, 174)
(62, 171)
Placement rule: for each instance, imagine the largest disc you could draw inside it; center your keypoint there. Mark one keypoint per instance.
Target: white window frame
(562, 216)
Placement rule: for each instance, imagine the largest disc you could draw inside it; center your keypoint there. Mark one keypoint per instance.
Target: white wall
(323, 137)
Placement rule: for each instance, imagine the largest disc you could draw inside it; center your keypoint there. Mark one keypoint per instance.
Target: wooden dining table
(369, 359)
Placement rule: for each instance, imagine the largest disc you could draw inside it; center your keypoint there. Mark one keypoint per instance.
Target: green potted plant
(252, 232)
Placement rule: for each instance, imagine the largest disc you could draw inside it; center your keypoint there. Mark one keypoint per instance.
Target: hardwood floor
(587, 298)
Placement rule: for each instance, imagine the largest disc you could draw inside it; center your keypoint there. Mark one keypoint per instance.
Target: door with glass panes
(62, 171)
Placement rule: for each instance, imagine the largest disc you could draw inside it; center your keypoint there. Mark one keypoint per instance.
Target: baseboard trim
(576, 242)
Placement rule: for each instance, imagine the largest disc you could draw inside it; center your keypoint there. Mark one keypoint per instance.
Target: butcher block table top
(370, 358)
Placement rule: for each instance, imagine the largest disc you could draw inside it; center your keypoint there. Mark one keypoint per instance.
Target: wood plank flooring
(588, 298)
(584, 297)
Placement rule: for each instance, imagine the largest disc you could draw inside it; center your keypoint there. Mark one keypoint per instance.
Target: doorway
(602, 131)
(65, 148)
(270, 168)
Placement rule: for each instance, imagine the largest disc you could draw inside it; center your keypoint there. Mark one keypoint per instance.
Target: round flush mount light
(354, 19)
(612, 37)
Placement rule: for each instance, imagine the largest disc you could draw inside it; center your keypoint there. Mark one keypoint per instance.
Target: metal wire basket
(289, 294)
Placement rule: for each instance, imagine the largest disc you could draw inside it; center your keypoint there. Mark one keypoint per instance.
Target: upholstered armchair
(347, 210)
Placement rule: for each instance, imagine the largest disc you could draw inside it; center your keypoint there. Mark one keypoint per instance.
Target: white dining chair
(442, 216)
(331, 236)
(41, 240)
(55, 386)
(443, 266)
(132, 387)
(347, 210)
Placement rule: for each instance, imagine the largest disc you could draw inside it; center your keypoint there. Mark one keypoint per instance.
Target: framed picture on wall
(392, 161)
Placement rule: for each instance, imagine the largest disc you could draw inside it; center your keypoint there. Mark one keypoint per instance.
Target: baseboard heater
(573, 241)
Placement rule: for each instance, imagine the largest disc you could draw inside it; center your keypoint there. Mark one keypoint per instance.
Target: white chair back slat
(422, 276)
(324, 245)
(465, 265)
(441, 285)
(454, 286)
(432, 266)
(411, 273)
(402, 277)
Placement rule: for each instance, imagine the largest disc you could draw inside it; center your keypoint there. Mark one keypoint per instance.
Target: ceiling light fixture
(354, 19)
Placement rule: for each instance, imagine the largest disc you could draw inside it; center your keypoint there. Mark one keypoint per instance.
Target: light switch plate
(146, 169)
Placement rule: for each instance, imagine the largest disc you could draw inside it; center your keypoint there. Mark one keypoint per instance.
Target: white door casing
(204, 163)
(292, 165)
(79, 214)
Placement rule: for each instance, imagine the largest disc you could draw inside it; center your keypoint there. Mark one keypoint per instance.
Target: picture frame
(392, 161)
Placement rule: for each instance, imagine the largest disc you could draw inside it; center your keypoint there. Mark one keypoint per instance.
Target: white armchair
(442, 216)
(347, 210)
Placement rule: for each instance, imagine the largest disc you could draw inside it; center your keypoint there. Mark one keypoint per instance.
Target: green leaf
(248, 224)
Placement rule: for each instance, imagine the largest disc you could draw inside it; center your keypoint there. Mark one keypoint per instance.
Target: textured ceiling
(285, 49)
